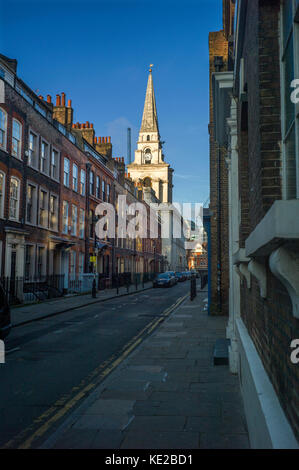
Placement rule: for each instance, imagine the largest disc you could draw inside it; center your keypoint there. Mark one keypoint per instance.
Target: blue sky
(98, 53)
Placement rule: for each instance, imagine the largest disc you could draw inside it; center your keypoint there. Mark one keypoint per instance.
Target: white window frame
(81, 223)
(65, 217)
(75, 178)
(283, 103)
(74, 220)
(47, 159)
(29, 161)
(54, 149)
(82, 183)
(66, 175)
(56, 212)
(46, 209)
(18, 199)
(34, 206)
(19, 153)
(2, 200)
(4, 146)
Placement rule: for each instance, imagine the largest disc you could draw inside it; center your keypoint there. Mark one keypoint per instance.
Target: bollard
(94, 289)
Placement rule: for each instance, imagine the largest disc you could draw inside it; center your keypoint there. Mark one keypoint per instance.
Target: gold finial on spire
(151, 67)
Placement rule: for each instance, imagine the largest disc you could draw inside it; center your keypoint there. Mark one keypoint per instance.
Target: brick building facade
(53, 175)
(220, 59)
(260, 123)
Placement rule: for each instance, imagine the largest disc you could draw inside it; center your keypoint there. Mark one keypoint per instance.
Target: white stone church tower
(150, 169)
(149, 166)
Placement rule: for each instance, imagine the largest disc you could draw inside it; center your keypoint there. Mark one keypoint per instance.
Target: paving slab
(168, 394)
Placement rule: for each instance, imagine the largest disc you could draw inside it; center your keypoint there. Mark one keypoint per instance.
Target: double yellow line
(26, 438)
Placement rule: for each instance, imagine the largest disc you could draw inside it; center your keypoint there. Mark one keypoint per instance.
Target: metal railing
(19, 289)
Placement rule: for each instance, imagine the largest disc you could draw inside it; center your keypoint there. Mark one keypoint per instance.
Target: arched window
(3, 127)
(147, 182)
(148, 138)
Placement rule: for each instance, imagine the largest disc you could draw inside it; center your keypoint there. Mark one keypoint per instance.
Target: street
(59, 360)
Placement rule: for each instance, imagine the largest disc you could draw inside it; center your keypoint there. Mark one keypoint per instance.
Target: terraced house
(256, 125)
(53, 174)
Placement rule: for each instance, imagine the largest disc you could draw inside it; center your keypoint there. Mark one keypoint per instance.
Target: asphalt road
(52, 364)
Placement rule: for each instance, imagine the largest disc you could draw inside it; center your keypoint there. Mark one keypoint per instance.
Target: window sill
(280, 224)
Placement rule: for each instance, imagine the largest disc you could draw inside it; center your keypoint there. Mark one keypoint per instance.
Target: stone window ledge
(279, 226)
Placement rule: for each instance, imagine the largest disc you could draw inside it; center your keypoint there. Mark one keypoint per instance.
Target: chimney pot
(58, 102)
(95, 140)
(105, 140)
(91, 125)
(40, 97)
(62, 99)
(48, 98)
(73, 126)
(69, 103)
(109, 140)
(87, 125)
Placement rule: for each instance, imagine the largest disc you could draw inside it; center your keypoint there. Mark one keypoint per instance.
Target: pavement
(167, 394)
(31, 312)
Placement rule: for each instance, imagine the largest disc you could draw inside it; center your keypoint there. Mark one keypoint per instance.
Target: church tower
(149, 166)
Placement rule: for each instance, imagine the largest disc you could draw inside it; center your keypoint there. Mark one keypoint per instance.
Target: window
(82, 224)
(73, 262)
(41, 261)
(14, 198)
(65, 216)
(54, 165)
(53, 212)
(43, 208)
(66, 172)
(33, 150)
(44, 158)
(98, 188)
(2, 193)
(74, 220)
(81, 263)
(82, 183)
(29, 261)
(75, 177)
(3, 127)
(16, 138)
(290, 120)
(103, 191)
(148, 138)
(91, 182)
(31, 204)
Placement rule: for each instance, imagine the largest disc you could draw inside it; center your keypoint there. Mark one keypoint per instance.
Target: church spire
(150, 118)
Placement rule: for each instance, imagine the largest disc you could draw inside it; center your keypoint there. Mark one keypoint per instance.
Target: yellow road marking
(68, 402)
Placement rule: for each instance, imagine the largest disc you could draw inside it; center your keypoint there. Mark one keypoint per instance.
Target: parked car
(5, 321)
(181, 277)
(172, 273)
(164, 280)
